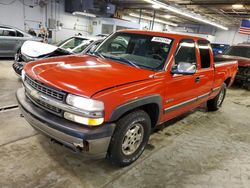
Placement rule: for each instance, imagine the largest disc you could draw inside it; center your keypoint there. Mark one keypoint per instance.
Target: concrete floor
(199, 149)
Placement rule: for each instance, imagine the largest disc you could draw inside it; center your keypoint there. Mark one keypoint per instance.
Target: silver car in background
(11, 39)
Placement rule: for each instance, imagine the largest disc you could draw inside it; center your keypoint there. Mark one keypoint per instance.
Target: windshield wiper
(124, 60)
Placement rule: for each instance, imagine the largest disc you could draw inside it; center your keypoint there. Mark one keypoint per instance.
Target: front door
(181, 89)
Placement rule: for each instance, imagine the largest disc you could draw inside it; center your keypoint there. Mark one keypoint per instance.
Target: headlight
(84, 103)
(94, 110)
(23, 75)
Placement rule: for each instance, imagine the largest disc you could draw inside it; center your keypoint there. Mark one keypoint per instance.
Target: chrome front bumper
(93, 142)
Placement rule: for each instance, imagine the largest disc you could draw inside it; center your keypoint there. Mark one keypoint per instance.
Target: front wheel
(215, 103)
(130, 138)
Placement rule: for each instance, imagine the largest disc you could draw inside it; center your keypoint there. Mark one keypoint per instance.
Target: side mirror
(184, 68)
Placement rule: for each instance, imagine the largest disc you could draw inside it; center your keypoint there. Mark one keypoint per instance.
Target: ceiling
(219, 11)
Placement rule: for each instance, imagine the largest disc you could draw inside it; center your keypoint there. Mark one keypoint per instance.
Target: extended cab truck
(105, 104)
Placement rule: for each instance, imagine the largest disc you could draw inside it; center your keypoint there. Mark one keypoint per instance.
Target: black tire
(117, 153)
(215, 103)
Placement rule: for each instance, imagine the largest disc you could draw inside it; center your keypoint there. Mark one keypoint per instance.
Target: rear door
(205, 73)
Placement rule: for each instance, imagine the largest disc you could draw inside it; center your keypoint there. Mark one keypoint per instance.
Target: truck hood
(84, 75)
(242, 62)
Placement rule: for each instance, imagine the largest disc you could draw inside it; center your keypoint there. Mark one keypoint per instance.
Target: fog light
(83, 120)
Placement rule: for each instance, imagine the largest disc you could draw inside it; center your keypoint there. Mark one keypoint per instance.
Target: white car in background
(31, 50)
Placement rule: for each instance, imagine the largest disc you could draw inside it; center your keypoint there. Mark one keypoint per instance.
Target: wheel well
(152, 110)
(227, 81)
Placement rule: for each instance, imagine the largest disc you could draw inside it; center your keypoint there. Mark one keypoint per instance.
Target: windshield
(240, 51)
(71, 43)
(141, 51)
(82, 46)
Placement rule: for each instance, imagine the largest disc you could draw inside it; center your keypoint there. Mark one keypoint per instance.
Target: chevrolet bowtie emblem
(34, 94)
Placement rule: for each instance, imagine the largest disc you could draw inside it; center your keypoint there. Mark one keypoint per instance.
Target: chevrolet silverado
(106, 104)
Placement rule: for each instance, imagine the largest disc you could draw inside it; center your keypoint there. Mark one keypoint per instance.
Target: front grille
(48, 106)
(48, 91)
(59, 95)
(45, 106)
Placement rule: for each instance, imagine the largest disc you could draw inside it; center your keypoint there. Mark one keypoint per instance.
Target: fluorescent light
(167, 16)
(156, 6)
(186, 14)
(150, 19)
(84, 14)
(238, 6)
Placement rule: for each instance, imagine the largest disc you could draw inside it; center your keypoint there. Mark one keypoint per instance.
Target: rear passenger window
(19, 34)
(204, 53)
(1, 32)
(185, 52)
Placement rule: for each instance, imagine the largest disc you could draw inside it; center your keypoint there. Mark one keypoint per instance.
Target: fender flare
(122, 109)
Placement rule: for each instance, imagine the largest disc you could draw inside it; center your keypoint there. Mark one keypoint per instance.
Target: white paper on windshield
(36, 49)
(161, 40)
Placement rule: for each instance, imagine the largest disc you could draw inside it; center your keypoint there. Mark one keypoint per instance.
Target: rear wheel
(215, 103)
(130, 138)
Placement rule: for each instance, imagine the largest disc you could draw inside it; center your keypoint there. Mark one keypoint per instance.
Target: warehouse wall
(97, 29)
(24, 17)
(145, 23)
(15, 13)
(230, 37)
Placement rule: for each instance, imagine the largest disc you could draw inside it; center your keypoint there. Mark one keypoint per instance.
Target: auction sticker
(162, 40)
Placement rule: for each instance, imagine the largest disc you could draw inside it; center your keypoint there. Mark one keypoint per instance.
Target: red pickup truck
(105, 104)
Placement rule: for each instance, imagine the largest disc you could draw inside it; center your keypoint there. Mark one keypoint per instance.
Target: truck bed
(220, 60)
(224, 69)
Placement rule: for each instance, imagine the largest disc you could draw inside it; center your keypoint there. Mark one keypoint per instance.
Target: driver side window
(185, 53)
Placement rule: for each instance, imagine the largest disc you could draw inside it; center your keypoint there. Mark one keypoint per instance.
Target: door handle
(197, 79)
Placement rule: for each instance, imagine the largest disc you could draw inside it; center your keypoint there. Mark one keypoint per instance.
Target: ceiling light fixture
(167, 16)
(156, 6)
(150, 19)
(84, 14)
(186, 14)
(237, 6)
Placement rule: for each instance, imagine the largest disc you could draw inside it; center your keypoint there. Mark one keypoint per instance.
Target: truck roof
(160, 33)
